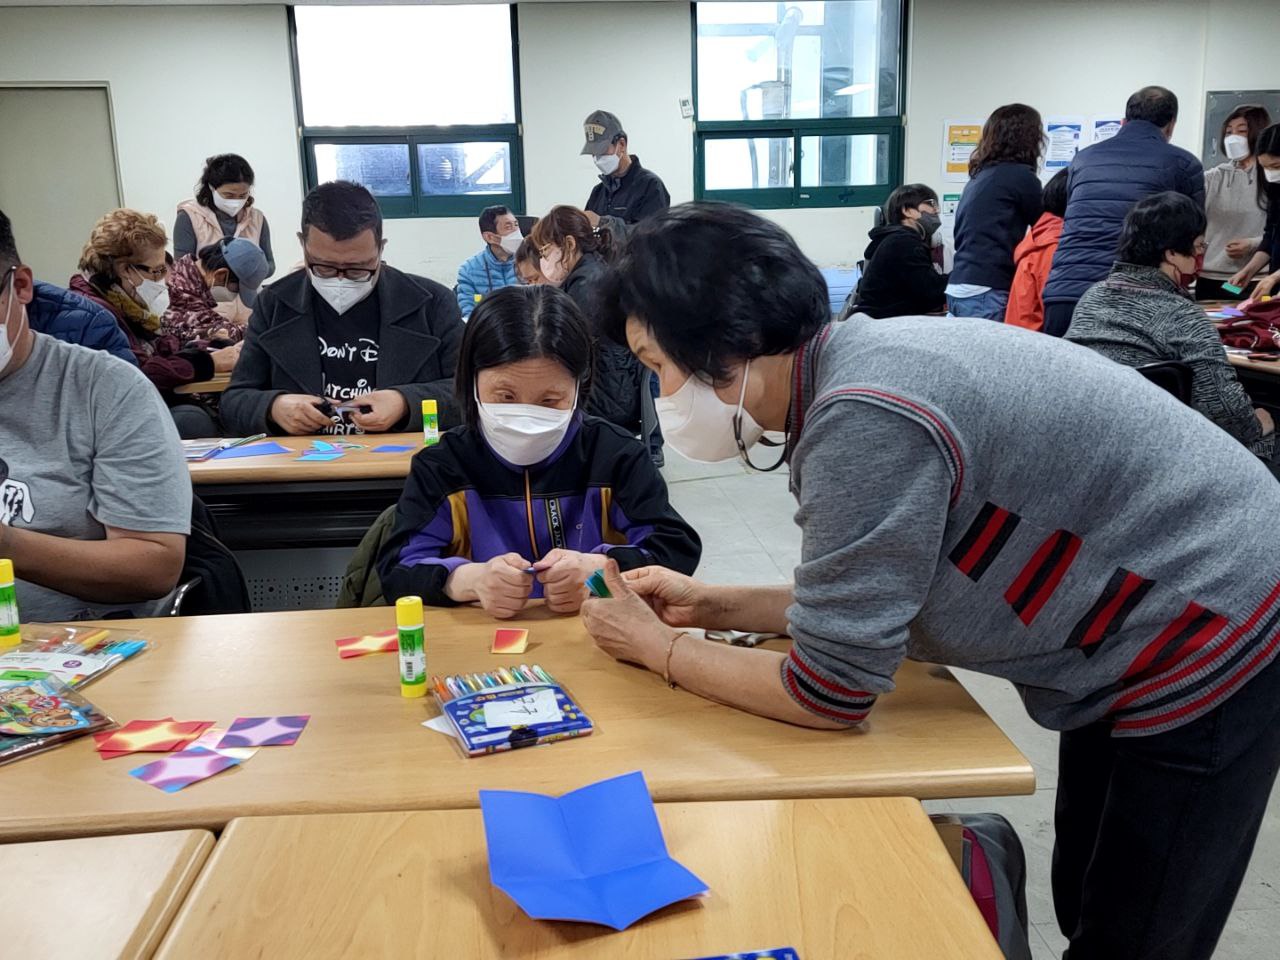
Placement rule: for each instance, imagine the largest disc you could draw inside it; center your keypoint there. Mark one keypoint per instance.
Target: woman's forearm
(755, 609)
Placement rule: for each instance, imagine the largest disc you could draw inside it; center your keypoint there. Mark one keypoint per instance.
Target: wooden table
(365, 749)
(98, 896)
(831, 878)
(1265, 367)
(218, 383)
(361, 464)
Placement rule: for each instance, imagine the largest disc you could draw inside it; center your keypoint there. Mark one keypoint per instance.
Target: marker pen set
(464, 684)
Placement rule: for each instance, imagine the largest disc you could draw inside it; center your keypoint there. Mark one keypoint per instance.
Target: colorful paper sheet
(251, 450)
(392, 448)
(322, 455)
(149, 736)
(264, 732)
(209, 741)
(778, 953)
(510, 641)
(182, 769)
(595, 855)
(387, 641)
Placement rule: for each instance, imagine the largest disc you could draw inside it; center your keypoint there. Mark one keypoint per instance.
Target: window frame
(419, 205)
(798, 196)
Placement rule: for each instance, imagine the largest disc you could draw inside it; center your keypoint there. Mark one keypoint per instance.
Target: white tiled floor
(748, 536)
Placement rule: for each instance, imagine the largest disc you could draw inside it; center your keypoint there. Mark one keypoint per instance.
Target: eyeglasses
(323, 271)
(152, 273)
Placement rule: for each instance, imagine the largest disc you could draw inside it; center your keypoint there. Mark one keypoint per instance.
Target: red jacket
(161, 357)
(1032, 261)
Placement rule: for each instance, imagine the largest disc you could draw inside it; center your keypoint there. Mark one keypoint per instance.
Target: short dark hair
(1054, 195)
(1256, 119)
(341, 209)
(8, 246)
(1012, 134)
(224, 168)
(907, 197)
(489, 218)
(1268, 143)
(1160, 222)
(522, 323)
(1156, 105)
(714, 283)
(214, 257)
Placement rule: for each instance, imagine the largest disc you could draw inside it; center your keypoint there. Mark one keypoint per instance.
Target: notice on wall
(1065, 140)
(959, 140)
(1104, 128)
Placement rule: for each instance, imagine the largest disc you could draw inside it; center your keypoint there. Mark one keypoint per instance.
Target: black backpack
(221, 587)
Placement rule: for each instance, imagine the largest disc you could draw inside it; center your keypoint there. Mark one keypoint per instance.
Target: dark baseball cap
(249, 264)
(601, 129)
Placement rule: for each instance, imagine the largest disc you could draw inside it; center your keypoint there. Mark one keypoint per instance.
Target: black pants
(1057, 317)
(1154, 833)
(1210, 289)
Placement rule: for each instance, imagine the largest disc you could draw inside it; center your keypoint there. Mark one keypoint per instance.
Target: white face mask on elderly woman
(702, 427)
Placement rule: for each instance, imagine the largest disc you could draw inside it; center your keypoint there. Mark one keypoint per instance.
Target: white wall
(158, 62)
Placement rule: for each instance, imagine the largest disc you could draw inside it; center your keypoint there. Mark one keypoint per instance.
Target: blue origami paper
(251, 450)
(391, 448)
(322, 455)
(595, 855)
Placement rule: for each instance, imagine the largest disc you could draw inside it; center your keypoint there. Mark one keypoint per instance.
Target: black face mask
(929, 223)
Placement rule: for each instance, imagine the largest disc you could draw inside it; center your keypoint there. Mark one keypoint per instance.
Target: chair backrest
(1172, 375)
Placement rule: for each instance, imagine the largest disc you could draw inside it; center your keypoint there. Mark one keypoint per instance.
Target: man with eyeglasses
(348, 344)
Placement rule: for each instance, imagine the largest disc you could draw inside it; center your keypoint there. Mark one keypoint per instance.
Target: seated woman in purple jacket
(527, 499)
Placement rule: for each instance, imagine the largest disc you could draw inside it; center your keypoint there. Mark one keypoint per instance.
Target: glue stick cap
(409, 612)
(428, 406)
(6, 572)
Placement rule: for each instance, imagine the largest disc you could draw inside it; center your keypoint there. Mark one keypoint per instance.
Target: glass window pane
(852, 161)
(405, 65)
(382, 167)
(457, 169)
(756, 163)
(802, 61)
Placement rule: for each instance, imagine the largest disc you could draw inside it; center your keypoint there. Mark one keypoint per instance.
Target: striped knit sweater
(1138, 316)
(985, 497)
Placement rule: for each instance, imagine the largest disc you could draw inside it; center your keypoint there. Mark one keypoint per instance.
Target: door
(57, 172)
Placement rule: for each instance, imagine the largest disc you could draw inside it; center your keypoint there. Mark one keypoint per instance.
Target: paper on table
(182, 769)
(391, 448)
(250, 450)
(210, 739)
(595, 855)
(322, 455)
(264, 731)
(507, 640)
(441, 724)
(388, 641)
(540, 706)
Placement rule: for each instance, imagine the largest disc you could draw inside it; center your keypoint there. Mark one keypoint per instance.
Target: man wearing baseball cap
(626, 190)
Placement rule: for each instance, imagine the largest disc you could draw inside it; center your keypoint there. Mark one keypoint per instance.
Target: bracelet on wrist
(671, 648)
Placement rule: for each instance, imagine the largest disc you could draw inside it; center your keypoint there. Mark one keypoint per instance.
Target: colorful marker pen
(413, 647)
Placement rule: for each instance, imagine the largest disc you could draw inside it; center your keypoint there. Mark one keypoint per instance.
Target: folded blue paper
(251, 450)
(322, 455)
(391, 448)
(595, 855)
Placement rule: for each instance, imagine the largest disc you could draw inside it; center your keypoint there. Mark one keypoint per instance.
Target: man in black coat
(627, 191)
(348, 343)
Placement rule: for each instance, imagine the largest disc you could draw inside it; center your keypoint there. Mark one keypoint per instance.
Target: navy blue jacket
(997, 208)
(67, 316)
(1103, 183)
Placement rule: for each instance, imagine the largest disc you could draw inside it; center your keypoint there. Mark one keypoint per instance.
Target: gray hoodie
(986, 497)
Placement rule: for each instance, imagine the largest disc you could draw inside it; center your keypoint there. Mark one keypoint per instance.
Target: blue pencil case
(513, 716)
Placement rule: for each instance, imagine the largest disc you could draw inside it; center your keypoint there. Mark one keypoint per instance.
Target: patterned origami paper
(509, 641)
(264, 732)
(209, 741)
(149, 736)
(182, 769)
(385, 642)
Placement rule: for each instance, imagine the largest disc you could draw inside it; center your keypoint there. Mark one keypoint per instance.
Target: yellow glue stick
(413, 647)
(430, 424)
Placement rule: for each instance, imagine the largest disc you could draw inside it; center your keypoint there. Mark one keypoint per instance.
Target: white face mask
(607, 164)
(1273, 176)
(6, 343)
(155, 295)
(222, 294)
(511, 242)
(702, 427)
(552, 267)
(231, 208)
(1237, 147)
(340, 293)
(522, 433)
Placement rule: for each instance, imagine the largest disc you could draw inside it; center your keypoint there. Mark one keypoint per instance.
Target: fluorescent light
(854, 88)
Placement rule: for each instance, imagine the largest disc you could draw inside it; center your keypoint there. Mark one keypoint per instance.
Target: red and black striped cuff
(821, 695)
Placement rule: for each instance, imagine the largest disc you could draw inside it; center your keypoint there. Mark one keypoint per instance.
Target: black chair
(1172, 375)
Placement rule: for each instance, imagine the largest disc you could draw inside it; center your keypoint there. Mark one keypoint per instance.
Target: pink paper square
(182, 769)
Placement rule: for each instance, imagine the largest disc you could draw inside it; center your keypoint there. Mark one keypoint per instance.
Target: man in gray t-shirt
(95, 498)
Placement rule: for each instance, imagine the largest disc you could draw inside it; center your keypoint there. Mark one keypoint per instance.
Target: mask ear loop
(737, 431)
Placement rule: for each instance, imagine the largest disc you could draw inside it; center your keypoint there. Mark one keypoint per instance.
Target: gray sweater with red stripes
(981, 496)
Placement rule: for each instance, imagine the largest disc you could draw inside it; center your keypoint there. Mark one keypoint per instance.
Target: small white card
(540, 706)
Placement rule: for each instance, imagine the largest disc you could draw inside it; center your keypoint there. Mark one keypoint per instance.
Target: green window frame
(419, 203)
(798, 195)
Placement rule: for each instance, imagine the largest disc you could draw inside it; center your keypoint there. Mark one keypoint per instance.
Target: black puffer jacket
(615, 388)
